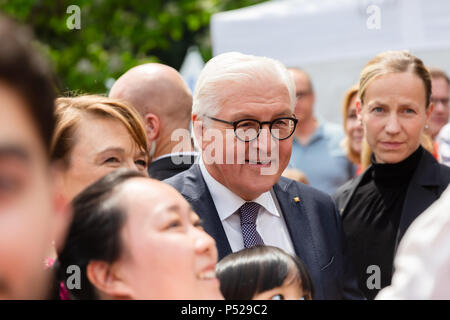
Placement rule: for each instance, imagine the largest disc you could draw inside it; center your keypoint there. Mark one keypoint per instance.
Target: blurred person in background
(394, 106)
(264, 273)
(295, 175)
(440, 91)
(439, 126)
(316, 149)
(137, 238)
(32, 214)
(354, 134)
(161, 96)
(95, 135)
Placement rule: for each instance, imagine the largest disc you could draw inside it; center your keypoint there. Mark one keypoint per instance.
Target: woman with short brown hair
(95, 135)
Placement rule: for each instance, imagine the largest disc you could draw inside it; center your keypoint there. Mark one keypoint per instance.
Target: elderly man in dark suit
(163, 99)
(243, 123)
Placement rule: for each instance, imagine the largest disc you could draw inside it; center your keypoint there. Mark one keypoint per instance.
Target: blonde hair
(394, 62)
(69, 113)
(349, 95)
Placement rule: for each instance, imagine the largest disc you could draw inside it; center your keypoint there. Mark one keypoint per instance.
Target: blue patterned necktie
(249, 213)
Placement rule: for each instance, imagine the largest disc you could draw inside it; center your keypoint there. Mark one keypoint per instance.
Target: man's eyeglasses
(249, 129)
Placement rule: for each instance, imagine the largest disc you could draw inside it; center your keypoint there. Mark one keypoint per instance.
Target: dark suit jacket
(165, 168)
(426, 186)
(313, 224)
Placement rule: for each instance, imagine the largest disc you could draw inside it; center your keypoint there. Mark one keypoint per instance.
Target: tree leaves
(117, 35)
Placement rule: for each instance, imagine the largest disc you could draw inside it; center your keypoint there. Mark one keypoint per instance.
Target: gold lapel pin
(296, 199)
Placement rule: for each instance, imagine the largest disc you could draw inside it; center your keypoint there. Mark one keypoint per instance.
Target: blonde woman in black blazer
(403, 179)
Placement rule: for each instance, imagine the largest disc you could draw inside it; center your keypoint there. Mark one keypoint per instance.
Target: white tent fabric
(192, 66)
(333, 39)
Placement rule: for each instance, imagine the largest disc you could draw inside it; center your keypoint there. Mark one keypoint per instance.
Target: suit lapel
(298, 226)
(422, 192)
(197, 193)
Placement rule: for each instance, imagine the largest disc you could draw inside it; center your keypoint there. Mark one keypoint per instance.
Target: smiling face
(167, 255)
(260, 100)
(101, 145)
(394, 116)
(27, 212)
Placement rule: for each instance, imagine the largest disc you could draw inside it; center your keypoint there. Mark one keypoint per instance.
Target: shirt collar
(227, 202)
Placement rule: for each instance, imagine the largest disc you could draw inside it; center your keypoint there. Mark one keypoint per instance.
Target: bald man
(163, 99)
(316, 148)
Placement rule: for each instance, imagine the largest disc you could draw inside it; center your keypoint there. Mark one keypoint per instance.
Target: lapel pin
(296, 199)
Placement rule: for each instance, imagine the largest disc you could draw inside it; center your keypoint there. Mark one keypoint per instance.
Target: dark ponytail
(95, 231)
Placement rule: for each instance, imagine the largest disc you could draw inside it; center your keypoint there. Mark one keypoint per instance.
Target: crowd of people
(235, 191)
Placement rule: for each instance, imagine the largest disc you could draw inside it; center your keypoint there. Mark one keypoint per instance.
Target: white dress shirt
(270, 223)
(422, 264)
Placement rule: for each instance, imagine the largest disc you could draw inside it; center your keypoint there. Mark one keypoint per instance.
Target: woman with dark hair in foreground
(137, 238)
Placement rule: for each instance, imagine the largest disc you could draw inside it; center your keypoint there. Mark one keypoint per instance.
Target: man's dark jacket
(313, 223)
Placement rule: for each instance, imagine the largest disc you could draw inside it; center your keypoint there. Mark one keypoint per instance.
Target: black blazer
(313, 224)
(428, 182)
(165, 168)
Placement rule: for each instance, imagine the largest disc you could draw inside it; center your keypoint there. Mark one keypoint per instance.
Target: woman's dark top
(373, 218)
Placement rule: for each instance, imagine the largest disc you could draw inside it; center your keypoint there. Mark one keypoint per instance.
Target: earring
(426, 126)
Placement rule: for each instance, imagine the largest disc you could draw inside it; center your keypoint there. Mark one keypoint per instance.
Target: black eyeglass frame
(270, 123)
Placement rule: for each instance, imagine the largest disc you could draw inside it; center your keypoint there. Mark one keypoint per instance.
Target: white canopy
(333, 39)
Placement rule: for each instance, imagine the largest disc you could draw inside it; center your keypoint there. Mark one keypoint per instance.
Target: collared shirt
(270, 223)
(322, 159)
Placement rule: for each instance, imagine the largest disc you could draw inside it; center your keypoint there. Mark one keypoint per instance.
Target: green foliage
(116, 35)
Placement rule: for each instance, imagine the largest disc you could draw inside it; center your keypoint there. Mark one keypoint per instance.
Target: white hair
(236, 67)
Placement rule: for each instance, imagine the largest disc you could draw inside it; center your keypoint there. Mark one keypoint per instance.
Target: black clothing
(373, 217)
(425, 186)
(165, 168)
